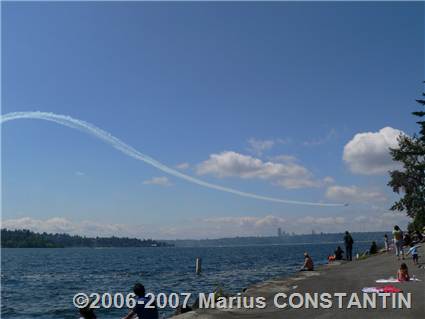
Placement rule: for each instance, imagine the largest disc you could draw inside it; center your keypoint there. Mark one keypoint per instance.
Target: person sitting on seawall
(403, 273)
(348, 241)
(339, 253)
(414, 251)
(373, 248)
(398, 242)
(140, 311)
(87, 313)
(308, 263)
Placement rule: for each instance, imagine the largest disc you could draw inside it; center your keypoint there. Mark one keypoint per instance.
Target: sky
(298, 101)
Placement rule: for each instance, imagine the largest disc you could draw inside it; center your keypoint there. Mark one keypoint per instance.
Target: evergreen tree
(410, 179)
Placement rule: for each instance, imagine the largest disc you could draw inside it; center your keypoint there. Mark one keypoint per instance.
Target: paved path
(343, 277)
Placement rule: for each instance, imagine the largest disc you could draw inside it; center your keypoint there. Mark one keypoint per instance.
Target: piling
(198, 265)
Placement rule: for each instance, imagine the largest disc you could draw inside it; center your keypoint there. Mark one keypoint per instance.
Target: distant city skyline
(285, 100)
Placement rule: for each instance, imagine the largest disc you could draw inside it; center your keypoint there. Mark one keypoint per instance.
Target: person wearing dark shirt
(339, 253)
(373, 248)
(140, 310)
(419, 237)
(87, 313)
(348, 241)
(407, 240)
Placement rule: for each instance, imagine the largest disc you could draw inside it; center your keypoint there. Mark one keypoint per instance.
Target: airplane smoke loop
(132, 152)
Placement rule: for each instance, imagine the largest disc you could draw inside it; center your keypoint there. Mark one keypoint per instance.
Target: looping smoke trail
(130, 151)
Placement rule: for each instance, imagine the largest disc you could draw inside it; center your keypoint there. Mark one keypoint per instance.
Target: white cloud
(338, 220)
(350, 220)
(259, 146)
(379, 221)
(332, 134)
(353, 194)
(250, 221)
(283, 158)
(368, 153)
(232, 164)
(78, 173)
(218, 227)
(160, 181)
(237, 226)
(183, 166)
(328, 180)
(63, 225)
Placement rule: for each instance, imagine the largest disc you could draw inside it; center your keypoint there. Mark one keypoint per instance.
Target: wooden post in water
(198, 265)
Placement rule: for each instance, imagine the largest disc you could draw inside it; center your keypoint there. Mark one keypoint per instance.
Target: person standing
(348, 241)
(398, 242)
(387, 248)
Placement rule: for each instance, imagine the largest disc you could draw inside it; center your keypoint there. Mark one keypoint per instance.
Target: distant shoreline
(28, 239)
(24, 238)
(302, 239)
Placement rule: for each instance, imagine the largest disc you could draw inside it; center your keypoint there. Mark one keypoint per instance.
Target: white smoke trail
(130, 151)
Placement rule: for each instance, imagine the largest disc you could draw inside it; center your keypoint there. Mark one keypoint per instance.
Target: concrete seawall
(339, 277)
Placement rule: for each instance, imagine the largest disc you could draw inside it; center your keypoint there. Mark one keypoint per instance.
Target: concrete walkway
(345, 277)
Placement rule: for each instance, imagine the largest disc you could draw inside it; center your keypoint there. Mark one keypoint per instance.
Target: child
(403, 273)
(414, 251)
(387, 248)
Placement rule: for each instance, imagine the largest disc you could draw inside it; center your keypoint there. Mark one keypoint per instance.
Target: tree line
(409, 180)
(24, 238)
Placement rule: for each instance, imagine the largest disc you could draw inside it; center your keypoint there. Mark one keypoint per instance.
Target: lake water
(40, 283)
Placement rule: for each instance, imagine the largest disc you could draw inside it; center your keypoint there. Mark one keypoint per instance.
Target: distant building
(279, 232)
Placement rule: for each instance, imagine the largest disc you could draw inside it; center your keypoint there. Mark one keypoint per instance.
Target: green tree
(409, 180)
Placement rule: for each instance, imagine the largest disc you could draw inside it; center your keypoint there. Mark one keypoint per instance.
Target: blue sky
(273, 92)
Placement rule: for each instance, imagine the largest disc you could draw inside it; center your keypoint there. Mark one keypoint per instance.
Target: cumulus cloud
(353, 194)
(63, 225)
(328, 180)
(238, 226)
(160, 181)
(351, 220)
(183, 166)
(250, 221)
(232, 164)
(78, 173)
(338, 220)
(332, 134)
(368, 153)
(259, 146)
(379, 221)
(218, 227)
(283, 158)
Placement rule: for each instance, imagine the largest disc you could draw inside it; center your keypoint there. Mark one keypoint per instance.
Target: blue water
(40, 283)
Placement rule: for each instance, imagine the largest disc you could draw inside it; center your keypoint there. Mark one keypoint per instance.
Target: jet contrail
(130, 151)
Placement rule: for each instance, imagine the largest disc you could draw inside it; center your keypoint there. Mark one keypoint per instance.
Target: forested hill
(28, 239)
